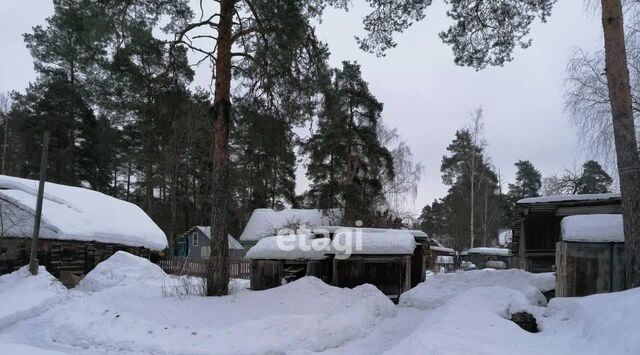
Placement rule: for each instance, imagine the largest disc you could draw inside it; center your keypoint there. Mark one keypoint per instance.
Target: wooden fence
(239, 269)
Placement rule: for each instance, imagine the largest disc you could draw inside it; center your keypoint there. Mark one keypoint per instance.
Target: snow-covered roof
(563, 198)
(442, 249)
(266, 222)
(593, 228)
(233, 243)
(391, 242)
(75, 213)
(489, 251)
(444, 259)
(418, 233)
(290, 247)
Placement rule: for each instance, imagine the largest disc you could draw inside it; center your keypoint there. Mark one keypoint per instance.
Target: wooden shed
(420, 257)
(590, 255)
(79, 227)
(494, 258)
(536, 225)
(436, 251)
(382, 258)
(343, 257)
(281, 259)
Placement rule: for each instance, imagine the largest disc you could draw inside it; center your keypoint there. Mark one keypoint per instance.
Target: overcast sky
(425, 95)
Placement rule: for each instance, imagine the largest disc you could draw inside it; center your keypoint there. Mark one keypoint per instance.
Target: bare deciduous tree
(403, 187)
(476, 163)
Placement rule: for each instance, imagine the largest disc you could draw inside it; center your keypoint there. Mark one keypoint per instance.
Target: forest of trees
(124, 120)
(115, 95)
(475, 207)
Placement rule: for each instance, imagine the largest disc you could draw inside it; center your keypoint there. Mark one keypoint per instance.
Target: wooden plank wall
(588, 268)
(266, 274)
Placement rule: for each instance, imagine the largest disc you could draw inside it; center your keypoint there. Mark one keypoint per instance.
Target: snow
(233, 243)
(593, 228)
(442, 249)
(303, 316)
(393, 242)
(20, 349)
(440, 288)
(489, 251)
(456, 313)
(563, 198)
(75, 213)
(505, 237)
(440, 259)
(346, 242)
(290, 247)
(122, 269)
(265, 222)
(22, 295)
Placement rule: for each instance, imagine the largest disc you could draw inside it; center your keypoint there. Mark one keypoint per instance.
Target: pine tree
(264, 160)
(528, 181)
(346, 155)
(594, 179)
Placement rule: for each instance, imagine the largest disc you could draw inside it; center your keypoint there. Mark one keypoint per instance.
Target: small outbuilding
(195, 244)
(494, 258)
(79, 227)
(382, 259)
(536, 225)
(341, 256)
(280, 259)
(590, 255)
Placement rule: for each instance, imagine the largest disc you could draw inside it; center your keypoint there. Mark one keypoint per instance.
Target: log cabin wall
(57, 256)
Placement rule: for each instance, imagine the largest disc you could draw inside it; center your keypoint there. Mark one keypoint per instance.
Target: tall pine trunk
(624, 134)
(218, 264)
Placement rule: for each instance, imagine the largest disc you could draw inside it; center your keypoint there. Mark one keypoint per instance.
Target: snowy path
(386, 335)
(120, 309)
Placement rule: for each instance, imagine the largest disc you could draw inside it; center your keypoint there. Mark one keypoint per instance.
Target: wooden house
(195, 244)
(590, 255)
(536, 225)
(79, 227)
(494, 258)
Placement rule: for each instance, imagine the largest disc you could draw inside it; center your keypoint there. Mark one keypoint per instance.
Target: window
(205, 251)
(195, 239)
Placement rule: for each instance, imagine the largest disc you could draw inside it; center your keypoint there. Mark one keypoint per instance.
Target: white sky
(425, 95)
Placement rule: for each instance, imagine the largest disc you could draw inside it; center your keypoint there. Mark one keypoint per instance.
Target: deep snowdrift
(122, 269)
(441, 288)
(23, 296)
(119, 309)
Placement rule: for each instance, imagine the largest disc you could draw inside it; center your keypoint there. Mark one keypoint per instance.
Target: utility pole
(33, 259)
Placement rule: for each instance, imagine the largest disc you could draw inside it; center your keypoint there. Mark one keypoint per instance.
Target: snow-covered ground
(122, 307)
